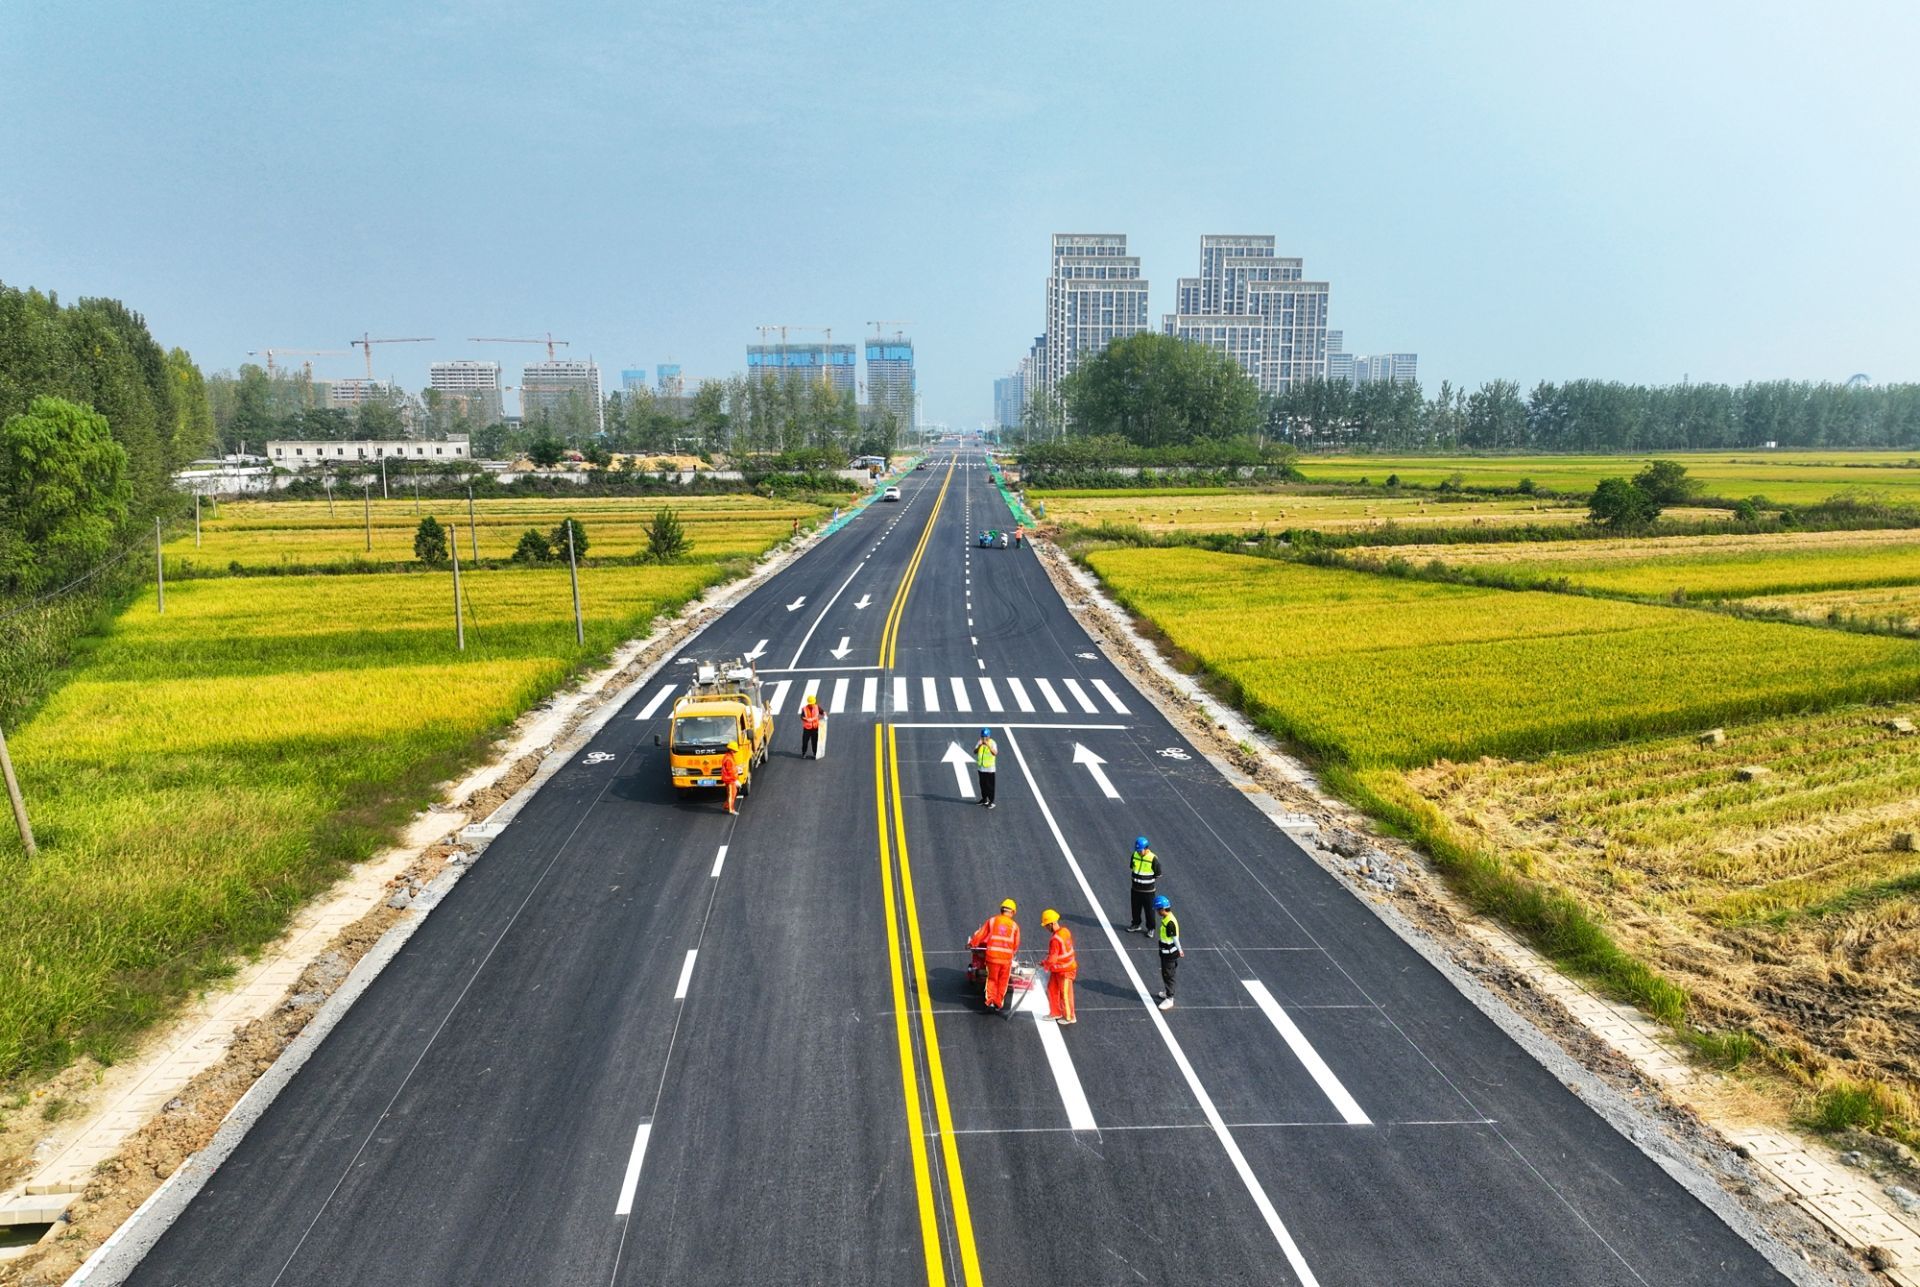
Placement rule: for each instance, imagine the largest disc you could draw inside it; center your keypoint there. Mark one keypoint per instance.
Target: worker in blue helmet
(1144, 866)
(1168, 933)
(986, 758)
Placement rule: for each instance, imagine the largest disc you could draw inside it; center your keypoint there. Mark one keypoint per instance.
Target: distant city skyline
(1656, 206)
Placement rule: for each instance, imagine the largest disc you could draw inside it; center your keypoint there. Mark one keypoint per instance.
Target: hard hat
(1139, 842)
(1161, 903)
(813, 697)
(1049, 917)
(733, 746)
(1008, 905)
(986, 732)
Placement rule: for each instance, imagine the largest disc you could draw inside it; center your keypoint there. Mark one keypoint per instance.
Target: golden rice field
(263, 534)
(1795, 477)
(1782, 905)
(1222, 510)
(200, 774)
(1894, 607)
(1378, 671)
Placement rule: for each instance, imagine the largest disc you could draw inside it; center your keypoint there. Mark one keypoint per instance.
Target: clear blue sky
(1636, 191)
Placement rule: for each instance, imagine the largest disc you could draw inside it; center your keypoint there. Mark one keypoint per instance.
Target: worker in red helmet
(1062, 968)
(999, 938)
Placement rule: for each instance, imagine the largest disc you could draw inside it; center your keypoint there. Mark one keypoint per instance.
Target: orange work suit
(1000, 937)
(730, 778)
(1062, 968)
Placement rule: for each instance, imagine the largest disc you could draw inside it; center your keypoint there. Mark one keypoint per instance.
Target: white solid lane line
(653, 704)
(869, 695)
(1309, 1058)
(899, 693)
(1113, 699)
(719, 861)
(960, 701)
(993, 697)
(930, 694)
(632, 1181)
(1255, 1190)
(1052, 698)
(1080, 695)
(1020, 697)
(1065, 1076)
(839, 703)
(686, 976)
(779, 698)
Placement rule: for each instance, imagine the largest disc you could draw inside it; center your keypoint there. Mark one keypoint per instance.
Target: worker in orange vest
(999, 938)
(730, 776)
(810, 729)
(1062, 968)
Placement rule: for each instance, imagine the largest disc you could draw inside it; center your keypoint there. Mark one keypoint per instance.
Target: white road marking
(686, 976)
(1288, 1247)
(1080, 695)
(779, 697)
(982, 663)
(646, 712)
(969, 623)
(1020, 697)
(797, 604)
(899, 693)
(840, 653)
(840, 686)
(930, 693)
(759, 651)
(719, 861)
(808, 637)
(1072, 1094)
(1113, 700)
(1310, 1059)
(960, 702)
(962, 766)
(1053, 699)
(993, 697)
(632, 1181)
(1093, 763)
(869, 695)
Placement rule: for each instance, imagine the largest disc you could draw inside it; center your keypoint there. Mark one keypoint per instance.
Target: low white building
(312, 455)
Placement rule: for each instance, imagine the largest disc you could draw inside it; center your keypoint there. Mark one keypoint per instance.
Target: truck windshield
(704, 734)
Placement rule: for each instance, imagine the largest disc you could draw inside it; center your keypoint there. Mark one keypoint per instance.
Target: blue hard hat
(1139, 842)
(1161, 903)
(985, 732)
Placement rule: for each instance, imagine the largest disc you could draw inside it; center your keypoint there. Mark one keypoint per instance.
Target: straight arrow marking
(961, 762)
(840, 652)
(1081, 755)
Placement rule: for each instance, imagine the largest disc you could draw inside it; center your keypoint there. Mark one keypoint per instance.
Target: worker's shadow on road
(1089, 926)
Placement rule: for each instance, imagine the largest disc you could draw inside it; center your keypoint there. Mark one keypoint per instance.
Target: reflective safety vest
(1000, 936)
(729, 768)
(986, 755)
(1060, 958)
(810, 715)
(1169, 935)
(1146, 869)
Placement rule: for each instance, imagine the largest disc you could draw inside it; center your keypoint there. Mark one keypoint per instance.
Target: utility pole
(459, 622)
(13, 794)
(573, 575)
(196, 520)
(384, 494)
(416, 495)
(160, 566)
(327, 482)
(366, 499)
(473, 533)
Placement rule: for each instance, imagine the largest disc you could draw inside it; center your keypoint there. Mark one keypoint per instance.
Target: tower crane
(549, 341)
(367, 342)
(272, 353)
(893, 322)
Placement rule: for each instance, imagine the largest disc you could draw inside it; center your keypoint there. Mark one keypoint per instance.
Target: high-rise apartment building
(890, 379)
(1010, 397)
(1095, 295)
(547, 387)
(353, 392)
(1255, 306)
(1382, 368)
(833, 364)
(670, 382)
(636, 380)
(473, 387)
(1339, 361)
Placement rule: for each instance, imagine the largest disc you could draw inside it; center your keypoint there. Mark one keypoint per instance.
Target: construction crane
(893, 322)
(271, 354)
(550, 342)
(367, 342)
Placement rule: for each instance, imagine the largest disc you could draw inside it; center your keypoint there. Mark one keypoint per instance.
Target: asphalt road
(644, 1042)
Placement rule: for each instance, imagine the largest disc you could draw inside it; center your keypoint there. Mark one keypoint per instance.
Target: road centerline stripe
(1309, 1058)
(719, 861)
(686, 975)
(624, 1204)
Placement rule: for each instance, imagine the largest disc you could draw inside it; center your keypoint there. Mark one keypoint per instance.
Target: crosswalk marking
(811, 690)
(993, 698)
(930, 692)
(899, 693)
(1053, 699)
(1113, 700)
(869, 695)
(840, 687)
(779, 698)
(653, 703)
(1080, 695)
(960, 701)
(1020, 697)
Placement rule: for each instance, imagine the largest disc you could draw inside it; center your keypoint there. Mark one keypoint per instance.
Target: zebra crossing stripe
(840, 687)
(779, 698)
(960, 701)
(993, 698)
(1020, 695)
(1119, 707)
(930, 694)
(899, 693)
(1080, 695)
(869, 695)
(1053, 699)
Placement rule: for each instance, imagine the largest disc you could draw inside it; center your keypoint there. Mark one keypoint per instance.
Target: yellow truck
(722, 704)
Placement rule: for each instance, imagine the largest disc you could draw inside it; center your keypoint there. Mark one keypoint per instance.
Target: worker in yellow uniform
(1062, 968)
(1170, 949)
(1145, 866)
(986, 758)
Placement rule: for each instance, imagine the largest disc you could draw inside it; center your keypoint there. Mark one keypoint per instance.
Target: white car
(892, 493)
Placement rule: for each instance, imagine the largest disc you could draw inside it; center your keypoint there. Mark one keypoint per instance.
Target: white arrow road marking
(840, 653)
(1113, 699)
(840, 686)
(865, 599)
(632, 1181)
(759, 650)
(797, 604)
(779, 697)
(1081, 755)
(686, 976)
(869, 695)
(962, 763)
(646, 712)
(1309, 1057)
(930, 694)
(1065, 1077)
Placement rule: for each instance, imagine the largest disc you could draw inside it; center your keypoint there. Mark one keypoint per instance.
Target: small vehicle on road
(892, 493)
(993, 539)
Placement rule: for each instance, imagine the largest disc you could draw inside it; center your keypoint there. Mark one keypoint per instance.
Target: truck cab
(722, 704)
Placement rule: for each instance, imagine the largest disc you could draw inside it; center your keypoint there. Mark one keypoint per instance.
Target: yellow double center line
(886, 785)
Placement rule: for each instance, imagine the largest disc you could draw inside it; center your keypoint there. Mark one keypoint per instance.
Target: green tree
(546, 450)
(64, 485)
(193, 432)
(559, 538)
(1158, 391)
(1619, 504)
(534, 547)
(1666, 483)
(666, 538)
(430, 542)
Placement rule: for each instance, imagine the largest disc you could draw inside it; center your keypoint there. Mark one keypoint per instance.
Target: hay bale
(1714, 737)
(1904, 727)
(1906, 841)
(1751, 773)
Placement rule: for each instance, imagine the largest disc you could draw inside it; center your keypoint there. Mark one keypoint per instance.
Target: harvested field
(1226, 510)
